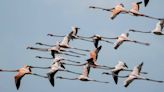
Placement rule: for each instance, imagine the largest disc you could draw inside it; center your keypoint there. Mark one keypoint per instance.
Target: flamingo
(119, 8)
(135, 74)
(92, 64)
(119, 67)
(72, 35)
(135, 11)
(124, 38)
(62, 49)
(56, 66)
(64, 44)
(135, 8)
(40, 57)
(54, 50)
(84, 76)
(25, 70)
(157, 31)
(95, 39)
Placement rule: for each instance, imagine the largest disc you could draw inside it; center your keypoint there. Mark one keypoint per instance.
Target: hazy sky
(24, 22)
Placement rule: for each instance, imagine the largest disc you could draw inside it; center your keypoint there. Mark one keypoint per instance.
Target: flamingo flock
(64, 48)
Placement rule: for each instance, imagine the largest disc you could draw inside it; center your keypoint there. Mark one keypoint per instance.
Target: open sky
(24, 22)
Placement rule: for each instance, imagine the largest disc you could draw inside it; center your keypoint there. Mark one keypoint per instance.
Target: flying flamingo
(121, 66)
(95, 39)
(62, 49)
(118, 68)
(56, 66)
(54, 59)
(25, 70)
(84, 76)
(135, 75)
(92, 64)
(124, 38)
(119, 8)
(135, 11)
(72, 35)
(54, 50)
(157, 31)
(64, 44)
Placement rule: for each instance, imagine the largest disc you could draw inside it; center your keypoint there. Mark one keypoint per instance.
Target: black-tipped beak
(49, 34)
(91, 7)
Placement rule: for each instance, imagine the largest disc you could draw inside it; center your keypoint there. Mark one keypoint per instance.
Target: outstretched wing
(51, 77)
(115, 76)
(18, 78)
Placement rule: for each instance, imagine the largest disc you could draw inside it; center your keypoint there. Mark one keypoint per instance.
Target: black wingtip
(116, 47)
(51, 79)
(132, 30)
(92, 7)
(126, 86)
(115, 78)
(49, 34)
(146, 2)
(17, 87)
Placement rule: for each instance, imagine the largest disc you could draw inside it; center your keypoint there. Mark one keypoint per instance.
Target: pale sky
(24, 22)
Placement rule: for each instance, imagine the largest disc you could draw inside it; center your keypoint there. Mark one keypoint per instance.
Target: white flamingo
(95, 39)
(121, 66)
(118, 68)
(56, 66)
(157, 30)
(72, 34)
(84, 76)
(73, 61)
(54, 50)
(135, 74)
(124, 38)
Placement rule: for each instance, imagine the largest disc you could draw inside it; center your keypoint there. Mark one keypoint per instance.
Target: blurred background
(25, 22)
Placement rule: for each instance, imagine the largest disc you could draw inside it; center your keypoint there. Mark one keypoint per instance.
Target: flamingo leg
(132, 30)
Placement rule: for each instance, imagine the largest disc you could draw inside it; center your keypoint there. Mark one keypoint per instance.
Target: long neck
(1, 70)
